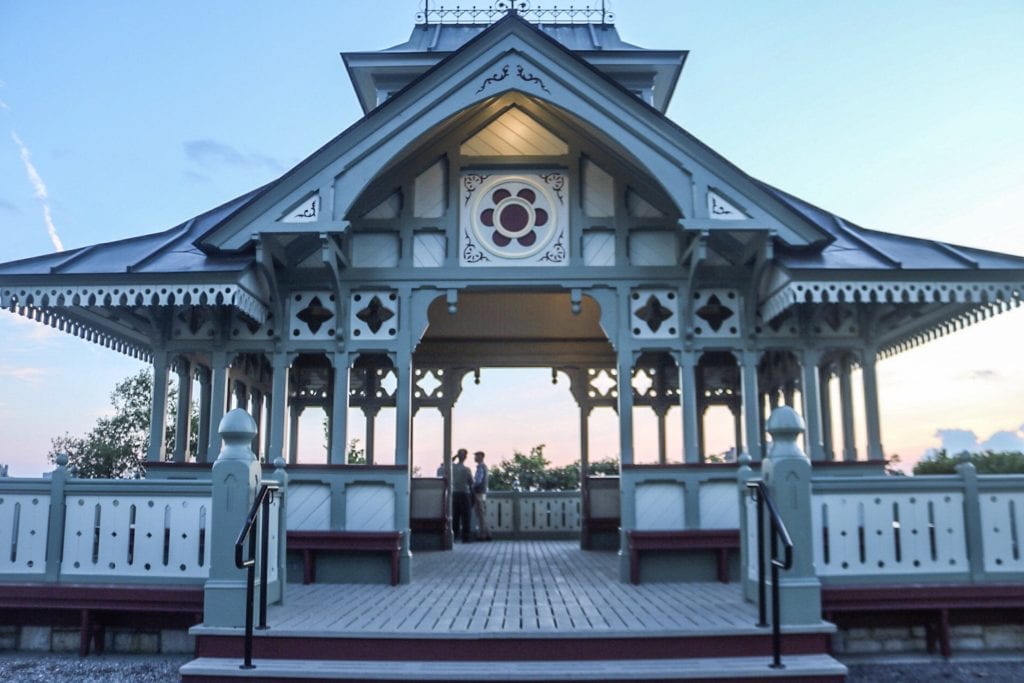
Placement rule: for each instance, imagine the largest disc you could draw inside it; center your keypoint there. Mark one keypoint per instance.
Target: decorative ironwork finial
(589, 13)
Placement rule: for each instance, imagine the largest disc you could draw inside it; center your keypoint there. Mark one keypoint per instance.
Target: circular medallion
(513, 216)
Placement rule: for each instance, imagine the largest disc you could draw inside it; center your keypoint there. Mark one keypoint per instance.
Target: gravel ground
(22, 667)
(49, 668)
(935, 670)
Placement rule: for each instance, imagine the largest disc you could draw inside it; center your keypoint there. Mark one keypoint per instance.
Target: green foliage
(989, 462)
(116, 447)
(355, 454)
(533, 472)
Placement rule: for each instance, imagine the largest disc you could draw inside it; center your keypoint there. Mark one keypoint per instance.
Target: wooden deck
(513, 588)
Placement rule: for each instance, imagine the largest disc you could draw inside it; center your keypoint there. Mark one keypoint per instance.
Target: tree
(988, 462)
(533, 473)
(116, 447)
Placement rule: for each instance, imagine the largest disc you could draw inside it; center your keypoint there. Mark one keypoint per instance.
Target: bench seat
(720, 540)
(345, 541)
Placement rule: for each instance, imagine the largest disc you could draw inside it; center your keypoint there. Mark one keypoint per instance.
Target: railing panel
(148, 536)
(718, 508)
(369, 507)
(1002, 528)
(23, 531)
(309, 506)
(908, 532)
(500, 511)
(561, 513)
(660, 505)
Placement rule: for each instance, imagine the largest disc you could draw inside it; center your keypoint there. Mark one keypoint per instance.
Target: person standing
(480, 496)
(462, 491)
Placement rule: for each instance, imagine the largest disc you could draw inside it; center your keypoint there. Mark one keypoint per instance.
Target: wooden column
(257, 415)
(183, 426)
(827, 442)
(203, 374)
(218, 396)
(339, 409)
(846, 409)
(294, 413)
(624, 378)
(403, 408)
(750, 395)
(690, 408)
(278, 406)
(811, 394)
(158, 413)
(871, 416)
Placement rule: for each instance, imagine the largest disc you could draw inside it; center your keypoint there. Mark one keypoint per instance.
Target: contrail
(40, 188)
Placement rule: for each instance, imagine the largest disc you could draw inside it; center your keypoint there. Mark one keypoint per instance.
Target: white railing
(539, 513)
(965, 528)
(23, 525)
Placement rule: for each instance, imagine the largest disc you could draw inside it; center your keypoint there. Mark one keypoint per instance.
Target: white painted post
(235, 481)
(58, 509)
(787, 474)
(973, 527)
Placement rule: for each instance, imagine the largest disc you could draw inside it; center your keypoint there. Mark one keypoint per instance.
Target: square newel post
(158, 415)
(787, 474)
(235, 481)
(183, 427)
(748, 540)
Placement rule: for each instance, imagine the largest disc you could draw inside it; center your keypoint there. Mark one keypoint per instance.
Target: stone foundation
(964, 638)
(116, 640)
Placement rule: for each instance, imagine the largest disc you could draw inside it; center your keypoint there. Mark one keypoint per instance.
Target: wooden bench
(428, 509)
(92, 601)
(600, 508)
(719, 540)
(344, 541)
(930, 604)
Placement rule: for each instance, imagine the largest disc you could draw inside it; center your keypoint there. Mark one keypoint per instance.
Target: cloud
(40, 190)
(24, 374)
(960, 440)
(8, 206)
(985, 374)
(211, 153)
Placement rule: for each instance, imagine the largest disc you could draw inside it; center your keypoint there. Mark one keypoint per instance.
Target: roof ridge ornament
(595, 13)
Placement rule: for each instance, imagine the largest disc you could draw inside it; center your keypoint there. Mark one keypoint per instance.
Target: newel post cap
(785, 426)
(237, 429)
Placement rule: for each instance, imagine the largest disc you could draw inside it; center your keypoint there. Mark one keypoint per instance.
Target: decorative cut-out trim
(493, 78)
(306, 211)
(136, 295)
(59, 321)
(816, 292)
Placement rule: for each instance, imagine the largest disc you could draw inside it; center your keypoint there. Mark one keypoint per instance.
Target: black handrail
(263, 500)
(759, 492)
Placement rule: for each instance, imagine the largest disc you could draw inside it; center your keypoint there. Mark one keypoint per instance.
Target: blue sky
(904, 117)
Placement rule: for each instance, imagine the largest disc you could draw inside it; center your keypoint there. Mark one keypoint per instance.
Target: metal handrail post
(264, 552)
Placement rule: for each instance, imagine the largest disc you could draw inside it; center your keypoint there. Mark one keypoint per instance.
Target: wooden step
(806, 668)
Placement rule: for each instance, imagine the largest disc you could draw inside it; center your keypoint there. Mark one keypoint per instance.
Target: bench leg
(308, 567)
(634, 566)
(394, 567)
(944, 645)
(723, 565)
(84, 633)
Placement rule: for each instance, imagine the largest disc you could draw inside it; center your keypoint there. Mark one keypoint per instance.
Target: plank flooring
(513, 588)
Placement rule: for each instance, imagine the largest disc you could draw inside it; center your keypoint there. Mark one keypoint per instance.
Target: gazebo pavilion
(515, 196)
